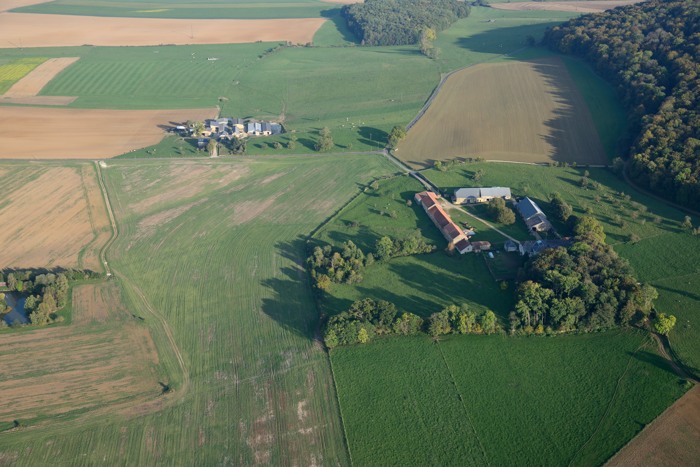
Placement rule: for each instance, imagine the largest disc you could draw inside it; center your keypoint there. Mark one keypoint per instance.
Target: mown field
(216, 9)
(514, 111)
(665, 254)
(475, 400)
(215, 250)
(67, 231)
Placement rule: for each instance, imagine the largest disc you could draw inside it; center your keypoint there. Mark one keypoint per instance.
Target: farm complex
(279, 233)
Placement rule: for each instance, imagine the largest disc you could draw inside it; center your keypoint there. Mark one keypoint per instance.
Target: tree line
(367, 318)
(402, 22)
(651, 53)
(346, 264)
(45, 292)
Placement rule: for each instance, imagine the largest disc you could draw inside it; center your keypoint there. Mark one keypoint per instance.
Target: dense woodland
(651, 52)
(400, 22)
(45, 292)
(586, 287)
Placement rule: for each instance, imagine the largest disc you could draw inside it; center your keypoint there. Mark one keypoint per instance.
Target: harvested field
(65, 31)
(52, 217)
(111, 362)
(673, 439)
(513, 111)
(85, 133)
(591, 6)
(39, 77)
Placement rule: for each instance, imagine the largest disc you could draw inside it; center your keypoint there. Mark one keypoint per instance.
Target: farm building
(533, 216)
(480, 195)
(481, 246)
(451, 231)
(511, 246)
(533, 248)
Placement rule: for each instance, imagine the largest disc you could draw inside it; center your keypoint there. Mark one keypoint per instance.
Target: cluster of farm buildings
(229, 128)
(458, 238)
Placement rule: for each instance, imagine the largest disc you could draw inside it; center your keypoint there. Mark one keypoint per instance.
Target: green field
(215, 248)
(476, 400)
(215, 9)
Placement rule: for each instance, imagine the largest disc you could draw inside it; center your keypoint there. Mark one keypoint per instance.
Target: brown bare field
(66, 31)
(673, 439)
(85, 133)
(52, 217)
(39, 77)
(513, 111)
(104, 361)
(582, 6)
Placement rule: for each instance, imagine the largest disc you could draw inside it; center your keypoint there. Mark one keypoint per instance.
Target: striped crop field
(213, 251)
(13, 70)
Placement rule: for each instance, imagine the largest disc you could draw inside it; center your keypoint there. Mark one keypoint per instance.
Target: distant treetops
(651, 53)
(403, 22)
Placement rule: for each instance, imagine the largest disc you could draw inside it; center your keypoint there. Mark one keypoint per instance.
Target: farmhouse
(455, 237)
(480, 195)
(533, 216)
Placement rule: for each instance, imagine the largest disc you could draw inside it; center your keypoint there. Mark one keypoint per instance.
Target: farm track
(159, 318)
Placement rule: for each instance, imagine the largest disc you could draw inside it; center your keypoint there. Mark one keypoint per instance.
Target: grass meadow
(475, 400)
(216, 249)
(237, 9)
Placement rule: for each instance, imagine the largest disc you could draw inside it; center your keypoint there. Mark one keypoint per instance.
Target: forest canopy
(651, 52)
(401, 22)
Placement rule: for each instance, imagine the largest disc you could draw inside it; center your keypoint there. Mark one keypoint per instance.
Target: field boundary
(125, 280)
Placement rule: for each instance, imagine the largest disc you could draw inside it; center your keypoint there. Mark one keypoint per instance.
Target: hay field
(670, 440)
(592, 6)
(512, 111)
(51, 216)
(104, 362)
(65, 31)
(85, 133)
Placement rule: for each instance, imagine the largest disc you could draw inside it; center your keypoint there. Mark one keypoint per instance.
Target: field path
(159, 318)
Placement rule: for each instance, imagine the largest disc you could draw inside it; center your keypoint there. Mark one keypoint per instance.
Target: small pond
(16, 302)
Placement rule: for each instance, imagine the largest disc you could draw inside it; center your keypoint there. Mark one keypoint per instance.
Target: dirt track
(673, 439)
(592, 6)
(20, 30)
(85, 133)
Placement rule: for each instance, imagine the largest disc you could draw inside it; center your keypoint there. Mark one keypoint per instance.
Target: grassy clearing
(14, 69)
(166, 9)
(666, 255)
(422, 284)
(216, 247)
(515, 111)
(481, 399)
